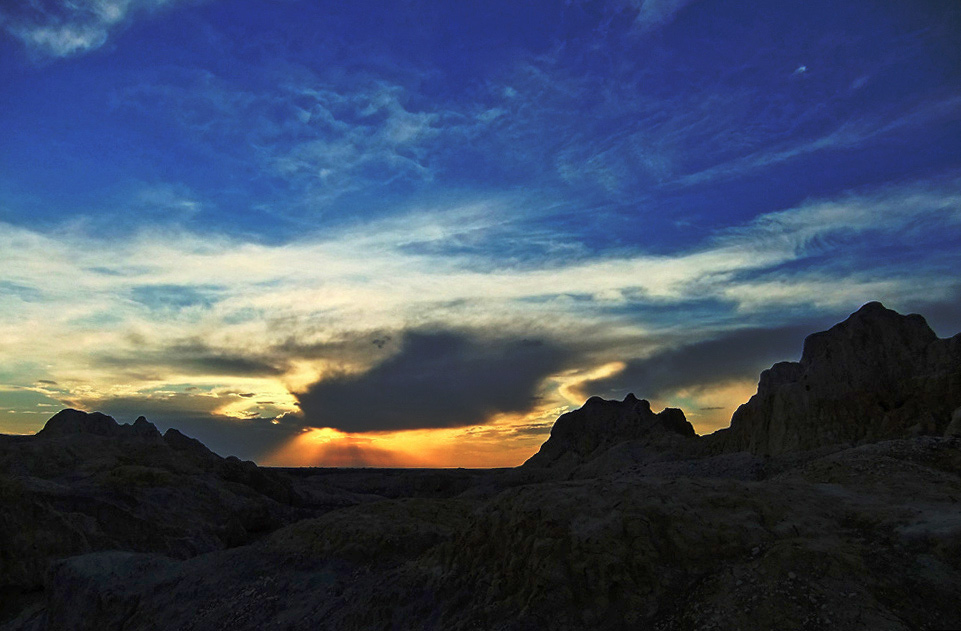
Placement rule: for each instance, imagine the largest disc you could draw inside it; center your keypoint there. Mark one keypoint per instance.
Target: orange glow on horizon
(507, 440)
(330, 448)
(504, 440)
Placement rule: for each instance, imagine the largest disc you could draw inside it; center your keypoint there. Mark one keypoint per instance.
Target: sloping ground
(831, 543)
(85, 483)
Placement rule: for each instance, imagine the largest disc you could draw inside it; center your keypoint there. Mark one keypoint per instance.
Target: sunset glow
(413, 234)
(504, 442)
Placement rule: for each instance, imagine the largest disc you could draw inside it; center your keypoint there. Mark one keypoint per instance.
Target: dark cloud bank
(736, 355)
(437, 379)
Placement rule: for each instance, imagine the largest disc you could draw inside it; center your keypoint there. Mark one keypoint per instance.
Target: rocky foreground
(832, 502)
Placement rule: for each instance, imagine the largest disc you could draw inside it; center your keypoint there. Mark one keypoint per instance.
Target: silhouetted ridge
(877, 375)
(71, 422)
(86, 483)
(600, 424)
(179, 442)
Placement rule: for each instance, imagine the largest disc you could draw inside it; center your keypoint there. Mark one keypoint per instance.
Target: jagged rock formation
(86, 483)
(829, 543)
(71, 422)
(875, 376)
(586, 433)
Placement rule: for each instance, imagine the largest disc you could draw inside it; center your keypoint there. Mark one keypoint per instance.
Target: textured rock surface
(863, 538)
(954, 427)
(72, 422)
(585, 434)
(694, 553)
(86, 483)
(876, 375)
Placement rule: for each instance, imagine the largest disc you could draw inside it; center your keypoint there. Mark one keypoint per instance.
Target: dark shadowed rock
(875, 376)
(954, 427)
(145, 429)
(70, 421)
(86, 483)
(179, 442)
(863, 538)
(599, 425)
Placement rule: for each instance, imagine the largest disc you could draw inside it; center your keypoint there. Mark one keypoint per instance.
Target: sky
(413, 233)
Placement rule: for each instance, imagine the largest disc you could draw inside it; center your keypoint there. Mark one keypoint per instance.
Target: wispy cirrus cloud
(356, 137)
(318, 142)
(848, 135)
(655, 13)
(62, 28)
(315, 137)
(636, 133)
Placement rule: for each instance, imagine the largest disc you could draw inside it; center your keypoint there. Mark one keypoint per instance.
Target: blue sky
(412, 233)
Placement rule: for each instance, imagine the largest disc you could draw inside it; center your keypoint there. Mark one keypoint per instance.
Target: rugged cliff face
(877, 375)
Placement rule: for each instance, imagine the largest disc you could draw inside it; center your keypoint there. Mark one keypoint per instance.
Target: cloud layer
(352, 331)
(436, 379)
(61, 28)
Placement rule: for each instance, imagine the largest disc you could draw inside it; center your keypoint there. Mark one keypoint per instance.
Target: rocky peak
(600, 424)
(873, 341)
(144, 428)
(71, 422)
(68, 422)
(877, 375)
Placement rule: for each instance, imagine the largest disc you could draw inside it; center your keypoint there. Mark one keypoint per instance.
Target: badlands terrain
(831, 502)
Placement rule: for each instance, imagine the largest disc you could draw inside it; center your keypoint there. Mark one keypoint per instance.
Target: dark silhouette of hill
(599, 425)
(877, 375)
(830, 503)
(86, 483)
